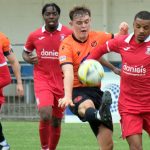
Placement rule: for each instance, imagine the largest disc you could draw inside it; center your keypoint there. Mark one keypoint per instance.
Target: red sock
(54, 137)
(44, 133)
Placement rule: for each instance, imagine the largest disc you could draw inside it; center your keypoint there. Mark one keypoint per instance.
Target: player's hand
(32, 59)
(19, 89)
(64, 102)
(117, 71)
(123, 28)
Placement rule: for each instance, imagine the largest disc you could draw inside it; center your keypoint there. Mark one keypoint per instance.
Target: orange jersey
(4, 47)
(74, 52)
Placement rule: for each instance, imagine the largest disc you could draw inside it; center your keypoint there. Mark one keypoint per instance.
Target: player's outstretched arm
(109, 65)
(68, 85)
(16, 69)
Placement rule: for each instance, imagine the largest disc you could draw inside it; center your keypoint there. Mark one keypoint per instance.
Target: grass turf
(25, 136)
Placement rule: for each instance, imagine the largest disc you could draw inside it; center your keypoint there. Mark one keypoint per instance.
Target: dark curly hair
(52, 5)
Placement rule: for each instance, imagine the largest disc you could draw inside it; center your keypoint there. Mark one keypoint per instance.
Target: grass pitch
(25, 136)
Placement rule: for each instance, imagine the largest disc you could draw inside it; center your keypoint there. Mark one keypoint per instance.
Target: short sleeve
(104, 36)
(6, 46)
(113, 45)
(65, 53)
(29, 45)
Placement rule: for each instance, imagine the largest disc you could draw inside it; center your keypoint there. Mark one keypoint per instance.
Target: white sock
(98, 115)
(3, 142)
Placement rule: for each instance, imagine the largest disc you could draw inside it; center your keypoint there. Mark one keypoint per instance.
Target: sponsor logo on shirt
(148, 50)
(94, 43)
(46, 54)
(63, 47)
(126, 48)
(78, 53)
(62, 36)
(134, 70)
(62, 58)
(41, 38)
(77, 99)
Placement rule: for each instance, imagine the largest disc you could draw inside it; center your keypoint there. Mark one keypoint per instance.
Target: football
(90, 72)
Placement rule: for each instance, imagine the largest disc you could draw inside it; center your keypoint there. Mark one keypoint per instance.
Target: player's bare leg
(105, 130)
(103, 134)
(135, 142)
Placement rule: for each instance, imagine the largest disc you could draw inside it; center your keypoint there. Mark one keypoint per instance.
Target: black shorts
(81, 94)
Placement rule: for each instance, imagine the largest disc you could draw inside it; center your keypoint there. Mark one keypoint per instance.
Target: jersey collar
(127, 40)
(148, 39)
(58, 28)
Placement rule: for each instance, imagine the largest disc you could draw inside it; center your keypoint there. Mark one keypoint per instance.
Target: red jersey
(46, 45)
(135, 72)
(5, 77)
(4, 47)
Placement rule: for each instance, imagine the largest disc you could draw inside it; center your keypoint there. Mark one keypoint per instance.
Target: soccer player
(48, 83)
(134, 99)
(85, 101)
(5, 78)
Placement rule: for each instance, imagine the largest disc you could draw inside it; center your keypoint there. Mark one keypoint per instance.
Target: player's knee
(45, 117)
(107, 146)
(135, 142)
(56, 122)
(110, 146)
(135, 146)
(45, 114)
(84, 106)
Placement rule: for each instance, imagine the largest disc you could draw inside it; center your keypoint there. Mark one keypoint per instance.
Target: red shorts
(2, 98)
(132, 124)
(48, 96)
(5, 77)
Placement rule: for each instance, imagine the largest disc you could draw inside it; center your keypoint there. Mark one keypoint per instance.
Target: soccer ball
(90, 72)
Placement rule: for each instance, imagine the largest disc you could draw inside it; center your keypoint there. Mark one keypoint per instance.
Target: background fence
(20, 107)
(25, 107)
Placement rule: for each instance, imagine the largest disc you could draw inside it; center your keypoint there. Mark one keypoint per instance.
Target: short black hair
(51, 5)
(79, 10)
(145, 15)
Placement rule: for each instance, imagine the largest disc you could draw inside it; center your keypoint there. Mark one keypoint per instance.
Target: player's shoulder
(3, 36)
(36, 32)
(68, 39)
(120, 40)
(122, 37)
(66, 29)
(99, 33)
